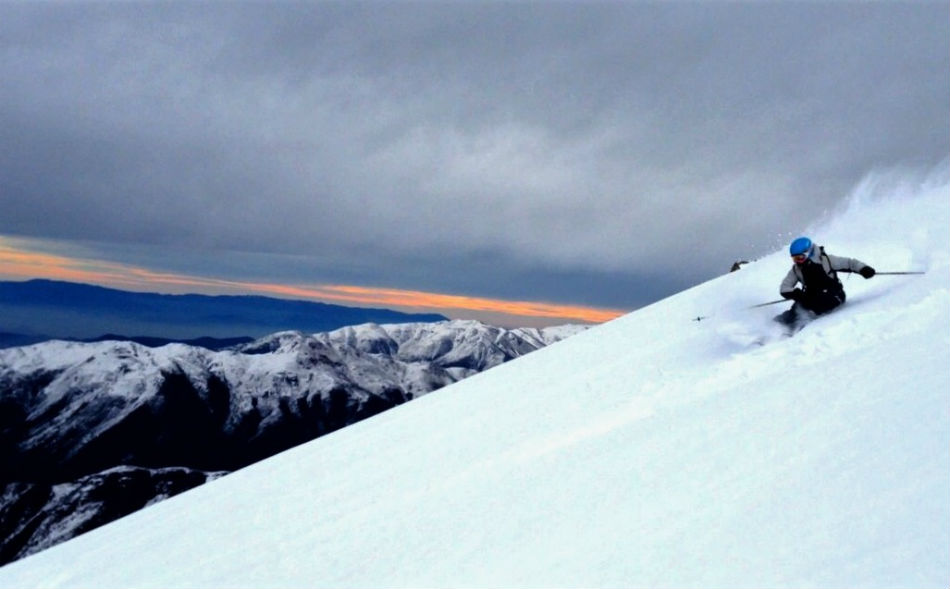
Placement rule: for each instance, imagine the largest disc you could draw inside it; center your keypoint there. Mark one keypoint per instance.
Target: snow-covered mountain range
(92, 431)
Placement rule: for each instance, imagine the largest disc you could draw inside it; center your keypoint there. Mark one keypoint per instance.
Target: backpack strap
(826, 265)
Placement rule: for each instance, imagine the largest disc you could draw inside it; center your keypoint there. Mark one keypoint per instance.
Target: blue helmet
(802, 245)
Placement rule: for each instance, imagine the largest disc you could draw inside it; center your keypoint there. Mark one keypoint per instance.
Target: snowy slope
(653, 450)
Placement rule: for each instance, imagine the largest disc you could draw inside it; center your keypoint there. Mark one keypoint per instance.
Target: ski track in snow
(650, 451)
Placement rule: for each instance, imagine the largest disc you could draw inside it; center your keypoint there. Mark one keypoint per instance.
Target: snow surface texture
(653, 450)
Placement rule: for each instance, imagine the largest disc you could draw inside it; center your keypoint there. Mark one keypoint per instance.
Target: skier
(821, 291)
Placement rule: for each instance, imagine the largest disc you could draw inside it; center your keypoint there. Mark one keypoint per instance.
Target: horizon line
(16, 262)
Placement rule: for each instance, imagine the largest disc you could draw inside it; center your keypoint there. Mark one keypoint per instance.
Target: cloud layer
(593, 153)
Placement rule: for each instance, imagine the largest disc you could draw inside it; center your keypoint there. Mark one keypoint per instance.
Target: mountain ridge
(14, 340)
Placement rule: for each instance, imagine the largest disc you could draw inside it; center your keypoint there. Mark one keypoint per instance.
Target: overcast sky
(581, 153)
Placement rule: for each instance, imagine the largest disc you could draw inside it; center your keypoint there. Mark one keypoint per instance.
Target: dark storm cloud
(597, 153)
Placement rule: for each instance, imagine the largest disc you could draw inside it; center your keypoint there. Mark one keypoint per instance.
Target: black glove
(795, 295)
(867, 272)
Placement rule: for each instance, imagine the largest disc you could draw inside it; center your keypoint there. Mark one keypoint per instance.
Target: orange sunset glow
(17, 263)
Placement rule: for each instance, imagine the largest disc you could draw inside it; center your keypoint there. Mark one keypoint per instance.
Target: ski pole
(876, 274)
(768, 303)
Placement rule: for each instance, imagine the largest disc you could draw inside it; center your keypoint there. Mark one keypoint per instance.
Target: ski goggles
(799, 258)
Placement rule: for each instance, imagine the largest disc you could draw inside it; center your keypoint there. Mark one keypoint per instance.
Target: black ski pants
(823, 301)
(814, 303)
